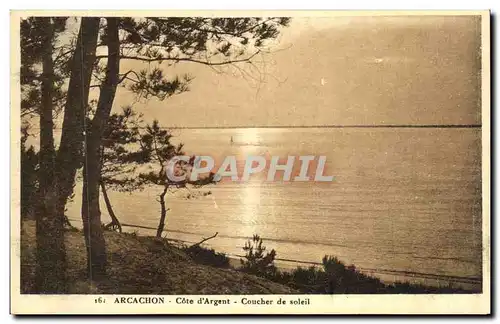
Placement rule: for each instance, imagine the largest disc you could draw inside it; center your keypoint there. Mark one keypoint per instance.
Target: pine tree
(121, 155)
(160, 42)
(208, 41)
(155, 143)
(41, 90)
(256, 260)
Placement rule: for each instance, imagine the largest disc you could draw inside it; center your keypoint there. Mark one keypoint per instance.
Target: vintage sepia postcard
(217, 162)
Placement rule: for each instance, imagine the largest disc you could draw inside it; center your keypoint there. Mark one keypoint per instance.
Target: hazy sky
(340, 70)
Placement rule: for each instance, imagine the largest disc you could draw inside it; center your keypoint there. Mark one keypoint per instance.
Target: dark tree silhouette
(29, 176)
(68, 158)
(45, 69)
(208, 41)
(120, 157)
(34, 35)
(94, 237)
(158, 42)
(155, 142)
(256, 260)
(41, 94)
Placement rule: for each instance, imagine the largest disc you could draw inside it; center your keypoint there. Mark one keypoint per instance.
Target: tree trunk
(69, 155)
(163, 214)
(114, 220)
(50, 252)
(91, 214)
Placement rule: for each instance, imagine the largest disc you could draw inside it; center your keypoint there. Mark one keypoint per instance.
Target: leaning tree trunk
(50, 253)
(69, 155)
(163, 214)
(91, 214)
(115, 223)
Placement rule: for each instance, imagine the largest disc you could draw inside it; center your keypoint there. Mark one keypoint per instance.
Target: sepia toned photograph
(218, 162)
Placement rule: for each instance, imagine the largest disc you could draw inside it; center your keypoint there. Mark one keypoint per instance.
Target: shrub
(207, 256)
(336, 273)
(309, 280)
(257, 261)
(334, 277)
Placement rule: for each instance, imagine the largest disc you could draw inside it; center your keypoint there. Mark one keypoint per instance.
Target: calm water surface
(402, 199)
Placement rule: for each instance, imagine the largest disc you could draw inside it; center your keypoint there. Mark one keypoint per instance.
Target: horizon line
(333, 126)
(314, 126)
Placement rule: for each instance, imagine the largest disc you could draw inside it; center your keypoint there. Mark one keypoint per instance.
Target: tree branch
(125, 76)
(217, 31)
(183, 59)
(204, 240)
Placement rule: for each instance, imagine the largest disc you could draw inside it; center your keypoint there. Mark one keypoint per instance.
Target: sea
(404, 203)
